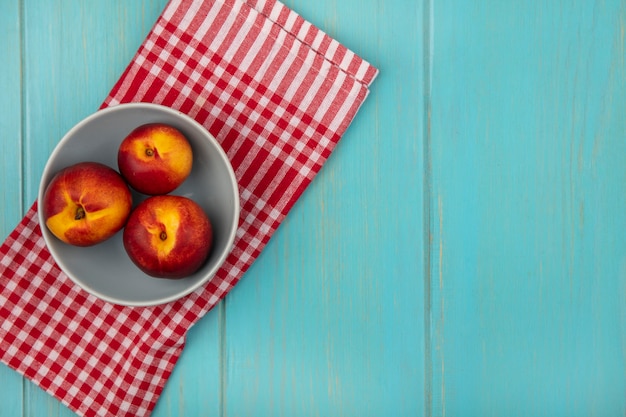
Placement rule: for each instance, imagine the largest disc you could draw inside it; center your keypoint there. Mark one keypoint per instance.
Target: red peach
(168, 236)
(86, 203)
(155, 158)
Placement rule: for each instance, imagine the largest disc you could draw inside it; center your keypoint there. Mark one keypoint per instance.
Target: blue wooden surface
(463, 251)
(528, 211)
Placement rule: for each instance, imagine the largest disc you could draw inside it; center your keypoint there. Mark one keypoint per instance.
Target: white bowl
(105, 270)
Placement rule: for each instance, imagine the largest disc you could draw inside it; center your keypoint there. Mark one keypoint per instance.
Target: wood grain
(462, 253)
(528, 208)
(72, 53)
(329, 320)
(11, 164)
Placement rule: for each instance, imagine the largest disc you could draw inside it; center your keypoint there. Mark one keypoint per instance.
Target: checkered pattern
(278, 94)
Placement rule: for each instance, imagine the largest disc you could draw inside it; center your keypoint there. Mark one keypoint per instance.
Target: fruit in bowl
(168, 236)
(155, 158)
(106, 270)
(86, 203)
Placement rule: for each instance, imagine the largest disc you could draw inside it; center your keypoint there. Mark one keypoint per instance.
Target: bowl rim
(232, 227)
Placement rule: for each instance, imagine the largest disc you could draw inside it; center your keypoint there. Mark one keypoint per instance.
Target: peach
(168, 236)
(86, 203)
(155, 158)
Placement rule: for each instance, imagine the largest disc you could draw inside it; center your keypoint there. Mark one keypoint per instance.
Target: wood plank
(10, 123)
(194, 387)
(329, 320)
(10, 165)
(528, 257)
(69, 66)
(74, 52)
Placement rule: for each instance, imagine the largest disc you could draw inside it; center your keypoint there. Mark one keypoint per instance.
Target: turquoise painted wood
(10, 157)
(329, 322)
(528, 211)
(462, 253)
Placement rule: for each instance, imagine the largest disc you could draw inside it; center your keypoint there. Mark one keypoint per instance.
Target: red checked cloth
(278, 94)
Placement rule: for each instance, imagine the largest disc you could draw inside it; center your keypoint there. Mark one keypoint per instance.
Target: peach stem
(80, 213)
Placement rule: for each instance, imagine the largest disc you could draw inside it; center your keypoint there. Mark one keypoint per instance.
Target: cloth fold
(278, 94)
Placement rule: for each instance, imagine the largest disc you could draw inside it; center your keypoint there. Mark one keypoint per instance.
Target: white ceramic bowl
(105, 270)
